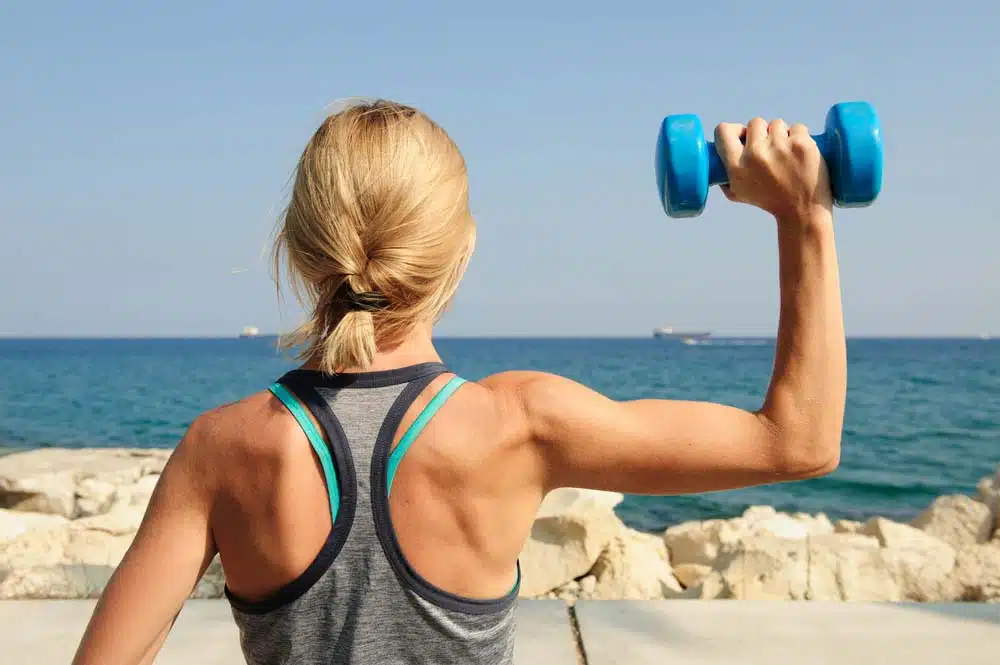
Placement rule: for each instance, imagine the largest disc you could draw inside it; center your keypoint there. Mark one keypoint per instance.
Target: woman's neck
(415, 348)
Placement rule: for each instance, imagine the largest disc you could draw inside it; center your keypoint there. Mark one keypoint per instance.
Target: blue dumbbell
(687, 165)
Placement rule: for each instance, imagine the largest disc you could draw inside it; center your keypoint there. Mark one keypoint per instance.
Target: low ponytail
(349, 337)
(351, 343)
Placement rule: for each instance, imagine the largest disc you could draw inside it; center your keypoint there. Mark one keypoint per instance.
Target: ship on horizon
(685, 336)
(250, 331)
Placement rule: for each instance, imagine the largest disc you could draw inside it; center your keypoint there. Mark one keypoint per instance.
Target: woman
(370, 506)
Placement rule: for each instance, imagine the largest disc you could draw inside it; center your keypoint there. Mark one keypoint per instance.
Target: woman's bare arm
(663, 446)
(171, 550)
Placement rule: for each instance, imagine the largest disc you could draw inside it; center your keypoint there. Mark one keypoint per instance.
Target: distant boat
(250, 331)
(685, 336)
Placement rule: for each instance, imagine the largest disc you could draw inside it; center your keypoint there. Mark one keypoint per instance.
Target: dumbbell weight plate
(853, 153)
(682, 165)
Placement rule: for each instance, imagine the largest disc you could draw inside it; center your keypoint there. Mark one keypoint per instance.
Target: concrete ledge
(46, 632)
(807, 633)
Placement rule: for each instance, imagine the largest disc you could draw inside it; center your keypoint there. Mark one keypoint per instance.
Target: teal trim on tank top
(414, 430)
(418, 426)
(315, 440)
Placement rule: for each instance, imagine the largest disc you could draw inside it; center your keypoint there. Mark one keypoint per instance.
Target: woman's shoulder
(251, 427)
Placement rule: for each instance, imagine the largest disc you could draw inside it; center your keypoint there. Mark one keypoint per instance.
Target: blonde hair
(379, 207)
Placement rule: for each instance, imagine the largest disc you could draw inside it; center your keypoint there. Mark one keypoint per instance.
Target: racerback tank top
(359, 602)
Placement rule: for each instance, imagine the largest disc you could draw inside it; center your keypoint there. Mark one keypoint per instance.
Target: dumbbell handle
(717, 171)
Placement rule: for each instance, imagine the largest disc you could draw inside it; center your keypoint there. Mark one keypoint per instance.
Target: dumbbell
(687, 165)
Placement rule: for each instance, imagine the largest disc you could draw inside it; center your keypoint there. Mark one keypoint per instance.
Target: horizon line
(521, 336)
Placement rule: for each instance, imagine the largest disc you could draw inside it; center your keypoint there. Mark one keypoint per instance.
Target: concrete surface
(813, 633)
(46, 632)
(613, 633)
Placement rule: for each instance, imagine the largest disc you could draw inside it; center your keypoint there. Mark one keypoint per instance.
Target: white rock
(634, 566)
(764, 567)
(977, 572)
(848, 526)
(213, 583)
(16, 523)
(957, 520)
(572, 499)
(922, 564)
(122, 520)
(68, 581)
(138, 494)
(573, 528)
(699, 542)
(691, 574)
(94, 497)
(850, 567)
(63, 546)
(988, 492)
(50, 480)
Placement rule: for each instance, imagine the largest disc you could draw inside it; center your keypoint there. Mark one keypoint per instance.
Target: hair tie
(366, 301)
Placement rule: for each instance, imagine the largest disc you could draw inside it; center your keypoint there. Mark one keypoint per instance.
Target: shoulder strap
(418, 425)
(317, 442)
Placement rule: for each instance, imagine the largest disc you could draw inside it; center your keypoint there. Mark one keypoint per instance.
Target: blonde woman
(370, 506)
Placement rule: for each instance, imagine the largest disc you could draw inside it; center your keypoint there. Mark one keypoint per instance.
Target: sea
(922, 418)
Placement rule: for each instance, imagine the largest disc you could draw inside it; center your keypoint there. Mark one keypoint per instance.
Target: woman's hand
(774, 168)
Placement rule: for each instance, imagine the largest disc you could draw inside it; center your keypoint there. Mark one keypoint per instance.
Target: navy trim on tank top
(376, 379)
(302, 389)
(387, 533)
(304, 385)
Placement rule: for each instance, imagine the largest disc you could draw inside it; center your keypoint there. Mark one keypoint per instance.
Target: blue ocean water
(923, 416)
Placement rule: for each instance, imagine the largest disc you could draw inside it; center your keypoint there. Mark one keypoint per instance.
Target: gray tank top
(359, 602)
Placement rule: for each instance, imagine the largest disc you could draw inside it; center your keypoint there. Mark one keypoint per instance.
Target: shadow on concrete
(642, 620)
(980, 612)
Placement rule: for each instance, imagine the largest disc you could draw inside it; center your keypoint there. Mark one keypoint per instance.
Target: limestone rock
(68, 545)
(699, 542)
(921, 564)
(691, 574)
(137, 494)
(848, 526)
(850, 567)
(72, 483)
(958, 520)
(94, 497)
(15, 523)
(760, 519)
(68, 581)
(213, 583)
(122, 520)
(574, 500)
(764, 567)
(841, 540)
(816, 525)
(988, 492)
(572, 529)
(710, 587)
(634, 566)
(977, 572)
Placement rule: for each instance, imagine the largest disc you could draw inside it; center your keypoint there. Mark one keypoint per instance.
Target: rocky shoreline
(68, 516)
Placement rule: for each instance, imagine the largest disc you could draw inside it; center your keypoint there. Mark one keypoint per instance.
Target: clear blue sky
(145, 153)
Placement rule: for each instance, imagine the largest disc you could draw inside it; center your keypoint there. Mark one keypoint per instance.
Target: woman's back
(370, 506)
(417, 562)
